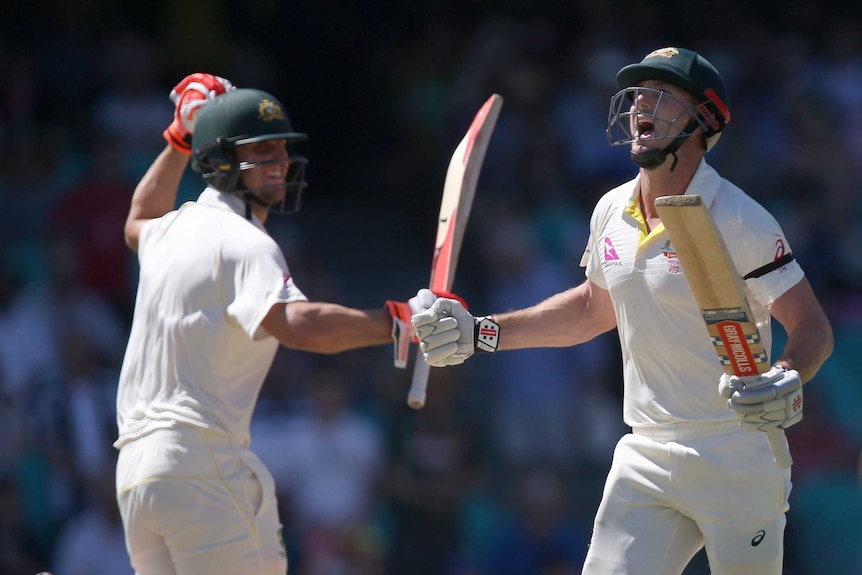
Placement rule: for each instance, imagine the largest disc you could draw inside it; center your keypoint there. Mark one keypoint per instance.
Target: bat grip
(780, 448)
(421, 370)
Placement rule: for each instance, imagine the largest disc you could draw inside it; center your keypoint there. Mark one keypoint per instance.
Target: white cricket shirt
(670, 369)
(196, 354)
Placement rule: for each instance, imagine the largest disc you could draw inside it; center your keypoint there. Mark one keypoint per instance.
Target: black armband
(763, 270)
(487, 335)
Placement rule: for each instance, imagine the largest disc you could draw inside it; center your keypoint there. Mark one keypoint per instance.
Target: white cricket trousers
(674, 489)
(195, 503)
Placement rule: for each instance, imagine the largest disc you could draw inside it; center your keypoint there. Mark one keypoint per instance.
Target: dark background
(385, 90)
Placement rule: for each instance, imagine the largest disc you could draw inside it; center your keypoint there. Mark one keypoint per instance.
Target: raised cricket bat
(458, 191)
(720, 294)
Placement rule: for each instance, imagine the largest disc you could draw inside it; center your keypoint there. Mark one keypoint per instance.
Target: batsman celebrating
(215, 299)
(690, 474)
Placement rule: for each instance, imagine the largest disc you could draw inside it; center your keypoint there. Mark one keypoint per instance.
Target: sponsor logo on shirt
(780, 250)
(609, 254)
(673, 266)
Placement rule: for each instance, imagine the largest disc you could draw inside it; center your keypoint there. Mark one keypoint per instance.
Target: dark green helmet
(688, 70)
(241, 116)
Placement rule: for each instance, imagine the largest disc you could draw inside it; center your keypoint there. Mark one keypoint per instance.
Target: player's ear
(217, 165)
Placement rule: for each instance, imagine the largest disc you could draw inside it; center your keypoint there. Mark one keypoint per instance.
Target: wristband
(487, 334)
(182, 144)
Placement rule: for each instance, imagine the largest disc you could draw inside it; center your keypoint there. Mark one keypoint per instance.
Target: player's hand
(189, 96)
(448, 334)
(769, 401)
(402, 329)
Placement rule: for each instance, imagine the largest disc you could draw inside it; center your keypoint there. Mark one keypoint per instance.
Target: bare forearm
(565, 319)
(329, 328)
(156, 193)
(807, 350)
(809, 333)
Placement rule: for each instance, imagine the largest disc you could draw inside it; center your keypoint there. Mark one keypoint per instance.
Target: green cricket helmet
(679, 67)
(239, 117)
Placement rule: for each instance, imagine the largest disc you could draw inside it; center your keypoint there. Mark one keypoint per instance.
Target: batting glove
(402, 329)
(189, 96)
(448, 334)
(772, 400)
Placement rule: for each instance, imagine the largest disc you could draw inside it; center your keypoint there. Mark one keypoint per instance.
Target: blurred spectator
(33, 177)
(93, 212)
(536, 403)
(12, 429)
(435, 456)
(327, 461)
(84, 410)
(131, 105)
(400, 89)
(43, 311)
(542, 537)
(92, 541)
(20, 554)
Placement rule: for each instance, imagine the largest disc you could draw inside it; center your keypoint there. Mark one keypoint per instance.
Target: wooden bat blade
(715, 284)
(719, 292)
(459, 188)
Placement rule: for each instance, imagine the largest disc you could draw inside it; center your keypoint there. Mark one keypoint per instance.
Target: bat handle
(777, 441)
(421, 370)
(780, 448)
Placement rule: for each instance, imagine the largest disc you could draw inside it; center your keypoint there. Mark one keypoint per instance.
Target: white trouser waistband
(686, 430)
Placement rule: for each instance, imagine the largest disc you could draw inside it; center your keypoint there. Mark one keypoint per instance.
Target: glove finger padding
(760, 426)
(203, 83)
(727, 384)
(193, 92)
(403, 331)
(445, 332)
(787, 383)
(770, 401)
(772, 406)
(423, 299)
(444, 355)
(440, 333)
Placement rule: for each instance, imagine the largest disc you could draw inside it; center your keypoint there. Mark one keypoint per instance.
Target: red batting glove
(402, 330)
(192, 93)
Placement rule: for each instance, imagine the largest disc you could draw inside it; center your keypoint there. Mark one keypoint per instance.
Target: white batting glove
(402, 329)
(772, 400)
(448, 334)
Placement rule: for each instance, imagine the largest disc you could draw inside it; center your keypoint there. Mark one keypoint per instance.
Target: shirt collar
(704, 183)
(230, 201)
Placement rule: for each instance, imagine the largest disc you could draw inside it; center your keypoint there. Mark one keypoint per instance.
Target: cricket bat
(720, 294)
(459, 188)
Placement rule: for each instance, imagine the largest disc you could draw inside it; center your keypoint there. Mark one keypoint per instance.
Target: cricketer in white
(689, 475)
(215, 299)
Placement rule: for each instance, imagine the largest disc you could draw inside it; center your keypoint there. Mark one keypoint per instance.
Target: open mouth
(645, 130)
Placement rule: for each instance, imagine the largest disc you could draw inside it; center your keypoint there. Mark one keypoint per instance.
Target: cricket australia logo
(673, 266)
(269, 111)
(664, 53)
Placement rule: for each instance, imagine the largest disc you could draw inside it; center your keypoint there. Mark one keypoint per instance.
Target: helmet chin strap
(249, 198)
(654, 158)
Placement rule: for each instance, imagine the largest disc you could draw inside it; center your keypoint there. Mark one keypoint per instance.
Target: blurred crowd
(501, 472)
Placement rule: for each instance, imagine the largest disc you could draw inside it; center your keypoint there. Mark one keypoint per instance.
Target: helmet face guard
(293, 186)
(236, 118)
(217, 164)
(626, 124)
(679, 67)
